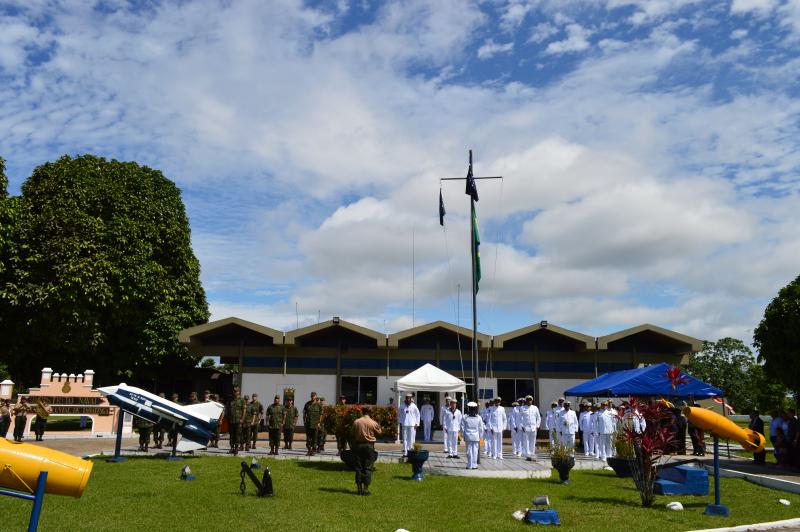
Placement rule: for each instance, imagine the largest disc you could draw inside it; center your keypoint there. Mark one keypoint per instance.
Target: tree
(777, 337)
(724, 364)
(102, 272)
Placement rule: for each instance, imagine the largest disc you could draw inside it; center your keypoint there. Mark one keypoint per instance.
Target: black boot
(366, 492)
(360, 489)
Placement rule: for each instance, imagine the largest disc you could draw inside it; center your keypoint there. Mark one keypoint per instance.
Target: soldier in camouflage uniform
(289, 423)
(245, 438)
(215, 439)
(158, 430)
(144, 428)
(236, 413)
(312, 412)
(276, 415)
(172, 435)
(254, 411)
(322, 432)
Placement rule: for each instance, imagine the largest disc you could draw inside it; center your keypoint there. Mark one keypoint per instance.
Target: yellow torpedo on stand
(724, 428)
(21, 463)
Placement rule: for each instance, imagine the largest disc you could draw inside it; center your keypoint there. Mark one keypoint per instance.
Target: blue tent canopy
(648, 381)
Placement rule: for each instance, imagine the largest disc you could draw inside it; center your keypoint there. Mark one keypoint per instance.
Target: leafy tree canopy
(102, 274)
(731, 366)
(777, 337)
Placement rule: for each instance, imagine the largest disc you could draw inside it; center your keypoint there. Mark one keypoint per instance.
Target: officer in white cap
(569, 425)
(452, 420)
(550, 422)
(442, 412)
(513, 427)
(472, 431)
(497, 424)
(409, 420)
(426, 411)
(530, 419)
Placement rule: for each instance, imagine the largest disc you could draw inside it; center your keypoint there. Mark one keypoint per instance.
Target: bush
(339, 419)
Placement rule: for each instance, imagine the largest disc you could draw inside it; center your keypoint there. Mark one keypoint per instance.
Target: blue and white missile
(195, 423)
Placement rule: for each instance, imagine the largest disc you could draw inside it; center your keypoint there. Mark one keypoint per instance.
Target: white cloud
(491, 48)
(748, 6)
(542, 31)
(576, 41)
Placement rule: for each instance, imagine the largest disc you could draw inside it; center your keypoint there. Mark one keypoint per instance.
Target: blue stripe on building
(263, 362)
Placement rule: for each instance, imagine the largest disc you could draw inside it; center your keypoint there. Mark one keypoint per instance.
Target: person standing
(497, 423)
(276, 416)
(569, 423)
(585, 425)
(144, 427)
(237, 410)
(442, 411)
(43, 411)
(757, 424)
(311, 419)
(452, 419)
(5, 417)
(697, 436)
(487, 442)
(472, 431)
(254, 412)
(322, 431)
(550, 420)
(172, 434)
(426, 412)
(21, 410)
(214, 442)
(605, 428)
(290, 423)
(530, 419)
(365, 431)
(409, 420)
(512, 428)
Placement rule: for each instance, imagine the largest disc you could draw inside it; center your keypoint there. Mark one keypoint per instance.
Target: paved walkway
(438, 463)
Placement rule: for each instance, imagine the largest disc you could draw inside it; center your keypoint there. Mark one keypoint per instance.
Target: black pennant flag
(442, 212)
(472, 190)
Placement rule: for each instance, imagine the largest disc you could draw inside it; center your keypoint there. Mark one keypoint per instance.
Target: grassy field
(146, 494)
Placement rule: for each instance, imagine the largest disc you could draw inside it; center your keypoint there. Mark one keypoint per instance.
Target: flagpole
(475, 372)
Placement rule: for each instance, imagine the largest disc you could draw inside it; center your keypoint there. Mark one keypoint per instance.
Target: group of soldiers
(19, 413)
(244, 415)
(158, 431)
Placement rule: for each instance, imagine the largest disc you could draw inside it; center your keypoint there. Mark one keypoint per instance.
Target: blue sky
(649, 150)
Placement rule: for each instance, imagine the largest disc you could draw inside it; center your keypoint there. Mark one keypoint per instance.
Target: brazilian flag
(476, 246)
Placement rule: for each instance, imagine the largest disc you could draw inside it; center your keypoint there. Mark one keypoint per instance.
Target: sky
(649, 150)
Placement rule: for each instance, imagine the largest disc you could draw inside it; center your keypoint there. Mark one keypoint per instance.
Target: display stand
(37, 497)
(717, 508)
(118, 444)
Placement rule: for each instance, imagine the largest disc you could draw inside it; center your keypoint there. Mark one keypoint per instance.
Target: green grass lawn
(146, 494)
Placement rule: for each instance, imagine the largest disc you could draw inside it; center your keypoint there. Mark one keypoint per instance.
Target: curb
(774, 525)
(761, 480)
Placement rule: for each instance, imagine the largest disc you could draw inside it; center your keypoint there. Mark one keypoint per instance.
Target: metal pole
(716, 471)
(475, 373)
(38, 499)
(118, 443)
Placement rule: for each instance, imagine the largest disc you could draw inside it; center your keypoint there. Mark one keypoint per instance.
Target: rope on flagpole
(453, 284)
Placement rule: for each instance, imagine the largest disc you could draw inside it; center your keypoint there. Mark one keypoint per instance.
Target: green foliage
(102, 273)
(731, 366)
(339, 419)
(777, 337)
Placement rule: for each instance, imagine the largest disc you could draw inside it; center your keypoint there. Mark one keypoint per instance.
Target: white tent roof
(429, 378)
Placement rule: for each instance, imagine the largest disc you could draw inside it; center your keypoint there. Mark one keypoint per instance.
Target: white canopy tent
(427, 378)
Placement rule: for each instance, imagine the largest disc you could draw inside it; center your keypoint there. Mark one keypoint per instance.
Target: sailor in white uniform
(513, 427)
(452, 420)
(530, 419)
(472, 431)
(606, 424)
(569, 424)
(426, 412)
(550, 422)
(409, 420)
(497, 424)
(442, 410)
(585, 424)
(487, 442)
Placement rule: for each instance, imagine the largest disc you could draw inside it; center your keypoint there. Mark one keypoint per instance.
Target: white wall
(551, 389)
(267, 385)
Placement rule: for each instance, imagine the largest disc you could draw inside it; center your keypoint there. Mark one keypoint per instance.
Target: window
(360, 389)
(511, 389)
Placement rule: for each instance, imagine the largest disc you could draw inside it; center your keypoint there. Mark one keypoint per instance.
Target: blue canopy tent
(647, 381)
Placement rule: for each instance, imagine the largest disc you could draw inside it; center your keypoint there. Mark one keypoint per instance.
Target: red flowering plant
(648, 444)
